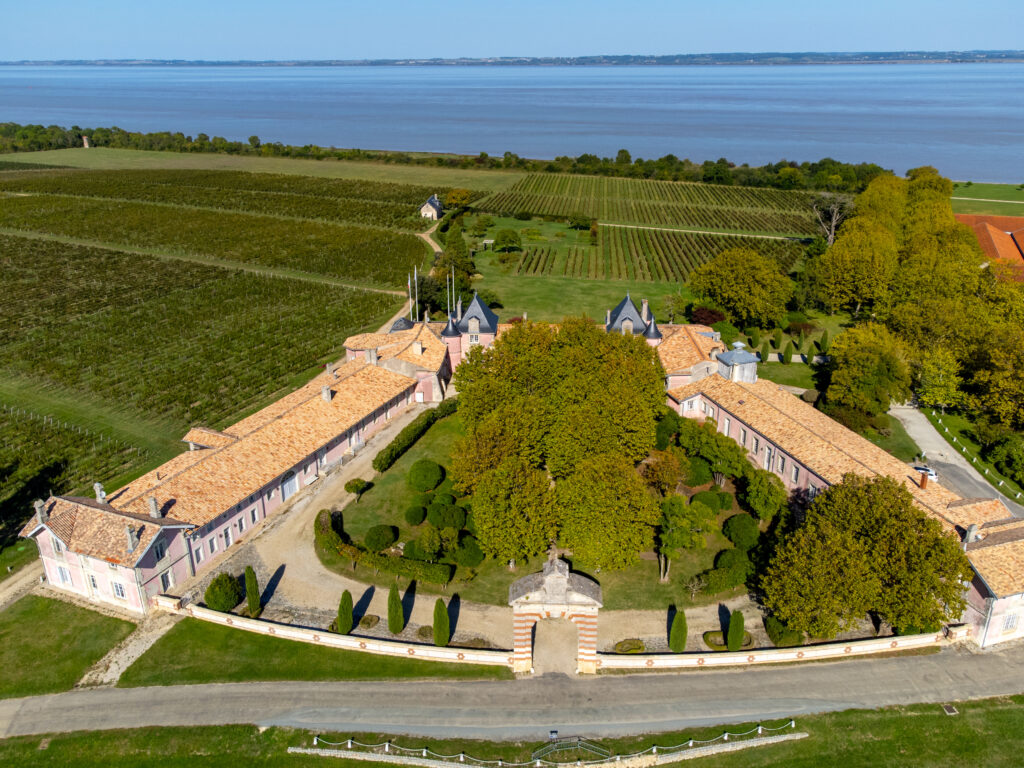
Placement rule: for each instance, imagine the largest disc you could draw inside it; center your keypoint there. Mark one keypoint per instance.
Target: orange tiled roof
(998, 556)
(1000, 237)
(829, 449)
(271, 442)
(683, 346)
(401, 345)
(90, 528)
(208, 438)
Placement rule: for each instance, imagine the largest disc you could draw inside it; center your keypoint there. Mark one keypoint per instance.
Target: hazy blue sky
(343, 29)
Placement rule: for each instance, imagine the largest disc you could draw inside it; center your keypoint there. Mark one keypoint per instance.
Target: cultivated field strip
(370, 203)
(365, 255)
(178, 342)
(646, 254)
(657, 203)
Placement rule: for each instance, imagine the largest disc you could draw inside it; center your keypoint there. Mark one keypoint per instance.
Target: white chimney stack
(40, 507)
(154, 508)
(645, 310)
(325, 393)
(101, 495)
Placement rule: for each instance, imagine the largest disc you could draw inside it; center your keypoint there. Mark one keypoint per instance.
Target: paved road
(526, 709)
(955, 472)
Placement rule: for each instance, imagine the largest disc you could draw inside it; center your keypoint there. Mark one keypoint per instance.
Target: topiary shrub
(252, 592)
(699, 472)
(742, 531)
(677, 634)
(224, 593)
(734, 637)
(754, 334)
(708, 498)
(415, 515)
(724, 500)
(380, 537)
(423, 500)
(736, 561)
(425, 475)
(810, 396)
(780, 635)
(396, 614)
(766, 351)
(445, 498)
(343, 624)
(468, 554)
(358, 486)
(442, 632)
(369, 621)
(630, 645)
(787, 356)
(777, 338)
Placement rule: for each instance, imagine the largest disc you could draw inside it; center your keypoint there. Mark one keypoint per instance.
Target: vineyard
(178, 342)
(657, 203)
(369, 203)
(625, 253)
(38, 455)
(359, 254)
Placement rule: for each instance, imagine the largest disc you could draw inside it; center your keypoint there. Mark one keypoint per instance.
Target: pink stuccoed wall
(80, 567)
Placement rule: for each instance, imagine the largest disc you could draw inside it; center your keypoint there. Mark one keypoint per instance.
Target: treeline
(827, 174)
(933, 317)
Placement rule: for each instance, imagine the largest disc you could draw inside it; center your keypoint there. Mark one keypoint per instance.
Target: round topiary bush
(742, 531)
(380, 537)
(469, 553)
(369, 621)
(708, 498)
(445, 498)
(700, 472)
(630, 645)
(224, 593)
(425, 475)
(415, 515)
(734, 559)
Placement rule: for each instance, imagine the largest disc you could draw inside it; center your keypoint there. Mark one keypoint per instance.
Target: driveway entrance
(555, 643)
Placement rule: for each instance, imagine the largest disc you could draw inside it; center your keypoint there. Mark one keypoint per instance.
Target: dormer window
(627, 327)
(474, 325)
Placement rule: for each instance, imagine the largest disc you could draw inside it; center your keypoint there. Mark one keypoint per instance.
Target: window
(159, 550)
(64, 574)
(254, 514)
(199, 554)
(743, 437)
(812, 491)
(213, 545)
(92, 582)
(1010, 622)
(757, 445)
(474, 338)
(796, 474)
(166, 581)
(711, 413)
(119, 590)
(727, 425)
(241, 524)
(689, 405)
(57, 546)
(782, 464)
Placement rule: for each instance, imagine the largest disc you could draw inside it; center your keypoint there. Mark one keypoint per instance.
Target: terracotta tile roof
(208, 438)
(271, 442)
(1003, 223)
(1000, 237)
(998, 557)
(153, 477)
(829, 449)
(683, 346)
(87, 527)
(401, 345)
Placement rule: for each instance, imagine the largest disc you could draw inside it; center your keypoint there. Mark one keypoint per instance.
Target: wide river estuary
(965, 119)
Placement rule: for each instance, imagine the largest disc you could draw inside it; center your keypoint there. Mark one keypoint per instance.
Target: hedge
(677, 634)
(734, 637)
(380, 537)
(325, 535)
(434, 573)
(425, 475)
(780, 635)
(412, 432)
(224, 593)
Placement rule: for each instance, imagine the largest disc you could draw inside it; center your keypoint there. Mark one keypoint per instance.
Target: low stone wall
(769, 655)
(345, 642)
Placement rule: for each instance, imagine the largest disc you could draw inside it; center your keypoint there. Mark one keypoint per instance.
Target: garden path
(21, 583)
(108, 670)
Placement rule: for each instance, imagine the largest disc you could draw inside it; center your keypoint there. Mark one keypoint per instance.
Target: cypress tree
(344, 623)
(396, 616)
(801, 343)
(441, 628)
(252, 592)
(823, 343)
(778, 338)
(755, 336)
(734, 637)
(766, 350)
(787, 356)
(677, 634)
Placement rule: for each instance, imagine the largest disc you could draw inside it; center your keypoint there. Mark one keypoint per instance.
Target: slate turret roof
(626, 310)
(480, 311)
(738, 355)
(652, 331)
(450, 330)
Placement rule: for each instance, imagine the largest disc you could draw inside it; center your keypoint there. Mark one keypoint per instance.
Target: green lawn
(961, 428)
(918, 736)
(197, 652)
(16, 556)
(898, 443)
(793, 375)
(47, 645)
(106, 158)
(992, 199)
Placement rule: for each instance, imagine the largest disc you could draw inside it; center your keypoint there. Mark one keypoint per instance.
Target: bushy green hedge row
(434, 573)
(407, 438)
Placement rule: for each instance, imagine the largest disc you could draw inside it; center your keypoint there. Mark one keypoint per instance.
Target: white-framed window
(812, 491)
(757, 445)
(743, 437)
(727, 425)
(119, 590)
(474, 339)
(64, 574)
(703, 407)
(213, 545)
(254, 515)
(711, 413)
(92, 582)
(199, 554)
(782, 464)
(689, 405)
(159, 550)
(57, 546)
(1010, 622)
(241, 524)
(796, 473)
(166, 581)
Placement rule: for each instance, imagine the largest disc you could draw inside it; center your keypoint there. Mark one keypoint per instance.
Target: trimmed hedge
(780, 635)
(380, 537)
(326, 537)
(415, 515)
(412, 432)
(224, 593)
(425, 475)
(434, 573)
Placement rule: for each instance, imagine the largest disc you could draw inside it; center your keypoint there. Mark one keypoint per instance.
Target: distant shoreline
(695, 59)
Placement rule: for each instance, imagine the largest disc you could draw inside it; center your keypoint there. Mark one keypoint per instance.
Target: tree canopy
(751, 288)
(869, 369)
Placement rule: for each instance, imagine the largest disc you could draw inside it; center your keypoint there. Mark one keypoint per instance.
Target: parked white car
(932, 474)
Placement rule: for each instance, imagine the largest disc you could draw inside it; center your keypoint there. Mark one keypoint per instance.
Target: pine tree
(344, 623)
(396, 615)
(677, 635)
(441, 628)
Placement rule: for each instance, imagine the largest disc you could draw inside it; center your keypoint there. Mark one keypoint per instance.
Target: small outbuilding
(432, 209)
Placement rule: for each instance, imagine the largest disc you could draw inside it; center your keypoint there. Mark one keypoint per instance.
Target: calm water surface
(967, 120)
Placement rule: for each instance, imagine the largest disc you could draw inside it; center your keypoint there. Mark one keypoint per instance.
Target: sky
(344, 29)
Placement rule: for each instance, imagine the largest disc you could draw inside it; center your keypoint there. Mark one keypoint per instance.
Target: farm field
(103, 158)
(657, 203)
(370, 203)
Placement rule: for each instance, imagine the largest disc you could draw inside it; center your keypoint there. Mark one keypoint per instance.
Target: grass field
(47, 645)
(102, 158)
(197, 652)
(917, 736)
(993, 199)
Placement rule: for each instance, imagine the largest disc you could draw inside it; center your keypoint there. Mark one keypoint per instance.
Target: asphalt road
(527, 709)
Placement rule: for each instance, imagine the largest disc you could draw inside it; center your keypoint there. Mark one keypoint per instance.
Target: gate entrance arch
(554, 593)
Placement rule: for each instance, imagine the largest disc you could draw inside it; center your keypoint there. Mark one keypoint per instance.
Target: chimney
(458, 311)
(325, 393)
(133, 538)
(41, 513)
(972, 533)
(154, 508)
(608, 317)
(924, 480)
(371, 354)
(101, 495)
(645, 310)
(417, 347)
(329, 368)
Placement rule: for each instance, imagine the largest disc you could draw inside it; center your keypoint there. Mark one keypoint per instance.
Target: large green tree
(513, 512)
(608, 516)
(939, 382)
(868, 370)
(683, 526)
(865, 546)
(749, 287)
